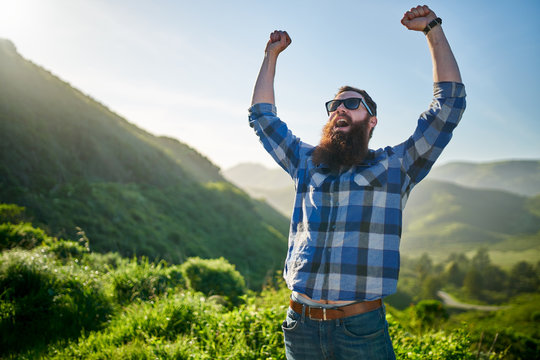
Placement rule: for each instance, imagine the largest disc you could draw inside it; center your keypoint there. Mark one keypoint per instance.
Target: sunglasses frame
(342, 101)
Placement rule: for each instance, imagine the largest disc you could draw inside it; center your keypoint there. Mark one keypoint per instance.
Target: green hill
(517, 176)
(72, 162)
(442, 217)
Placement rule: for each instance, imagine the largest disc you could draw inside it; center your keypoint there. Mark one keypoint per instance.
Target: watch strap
(432, 24)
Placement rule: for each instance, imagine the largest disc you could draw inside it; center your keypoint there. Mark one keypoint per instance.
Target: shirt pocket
(374, 176)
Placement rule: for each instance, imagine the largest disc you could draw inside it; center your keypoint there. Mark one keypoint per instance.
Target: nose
(341, 108)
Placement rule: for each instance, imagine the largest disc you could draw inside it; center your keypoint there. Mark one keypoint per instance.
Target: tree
(424, 266)
(523, 278)
(481, 260)
(430, 286)
(454, 274)
(473, 282)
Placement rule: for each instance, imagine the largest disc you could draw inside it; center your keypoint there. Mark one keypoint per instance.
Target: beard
(342, 149)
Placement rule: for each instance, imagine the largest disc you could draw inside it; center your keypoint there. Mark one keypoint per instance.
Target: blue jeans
(363, 336)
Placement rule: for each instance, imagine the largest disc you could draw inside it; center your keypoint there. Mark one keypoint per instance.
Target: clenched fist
(279, 41)
(417, 18)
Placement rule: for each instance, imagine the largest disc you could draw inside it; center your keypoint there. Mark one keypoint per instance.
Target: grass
(105, 306)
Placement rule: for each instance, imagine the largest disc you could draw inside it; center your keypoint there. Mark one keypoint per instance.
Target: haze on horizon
(186, 70)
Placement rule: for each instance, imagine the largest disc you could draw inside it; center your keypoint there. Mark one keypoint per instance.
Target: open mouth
(341, 124)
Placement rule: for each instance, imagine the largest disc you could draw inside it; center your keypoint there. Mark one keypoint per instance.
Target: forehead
(348, 94)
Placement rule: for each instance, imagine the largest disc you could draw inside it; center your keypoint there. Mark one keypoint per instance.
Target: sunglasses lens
(332, 105)
(352, 103)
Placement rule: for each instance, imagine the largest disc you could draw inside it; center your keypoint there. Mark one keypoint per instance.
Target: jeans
(363, 336)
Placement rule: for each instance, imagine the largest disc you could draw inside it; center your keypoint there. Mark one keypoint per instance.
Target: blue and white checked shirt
(345, 228)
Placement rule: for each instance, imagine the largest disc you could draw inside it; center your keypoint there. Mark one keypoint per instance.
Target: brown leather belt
(318, 313)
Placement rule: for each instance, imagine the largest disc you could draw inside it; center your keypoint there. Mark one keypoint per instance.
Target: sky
(186, 69)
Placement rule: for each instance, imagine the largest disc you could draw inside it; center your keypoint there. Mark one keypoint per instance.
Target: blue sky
(186, 69)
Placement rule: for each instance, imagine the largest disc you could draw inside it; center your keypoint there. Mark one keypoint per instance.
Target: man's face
(342, 119)
(345, 136)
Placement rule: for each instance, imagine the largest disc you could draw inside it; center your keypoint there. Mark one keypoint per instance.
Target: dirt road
(451, 302)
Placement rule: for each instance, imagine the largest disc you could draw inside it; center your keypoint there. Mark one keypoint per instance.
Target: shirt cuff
(260, 109)
(448, 89)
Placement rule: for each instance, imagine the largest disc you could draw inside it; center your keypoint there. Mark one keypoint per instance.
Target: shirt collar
(369, 160)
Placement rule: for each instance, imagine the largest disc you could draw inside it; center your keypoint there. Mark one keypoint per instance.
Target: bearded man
(343, 255)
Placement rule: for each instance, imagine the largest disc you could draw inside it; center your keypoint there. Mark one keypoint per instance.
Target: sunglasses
(350, 103)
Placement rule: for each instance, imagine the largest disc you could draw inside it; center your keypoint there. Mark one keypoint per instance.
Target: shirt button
(333, 227)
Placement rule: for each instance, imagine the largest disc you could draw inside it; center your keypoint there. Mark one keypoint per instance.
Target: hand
(417, 18)
(279, 41)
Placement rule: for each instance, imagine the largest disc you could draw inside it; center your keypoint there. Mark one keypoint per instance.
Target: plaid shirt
(345, 228)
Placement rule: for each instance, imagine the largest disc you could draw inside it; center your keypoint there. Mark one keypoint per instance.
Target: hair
(372, 105)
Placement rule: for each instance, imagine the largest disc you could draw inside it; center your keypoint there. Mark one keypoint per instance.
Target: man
(343, 255)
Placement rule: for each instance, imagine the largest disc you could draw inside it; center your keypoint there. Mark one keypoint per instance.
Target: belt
(319, 313)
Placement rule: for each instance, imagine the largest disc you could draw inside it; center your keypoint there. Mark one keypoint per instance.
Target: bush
(41, 302)
(214, 277)
(22, 235)
(430, 314)
(145, 281)
(67, 250)
(11, 213)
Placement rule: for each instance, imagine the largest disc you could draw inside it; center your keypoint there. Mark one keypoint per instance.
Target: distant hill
(258, 176)
(517, 176)
(443, 216)
(272, 185)
(72, 162)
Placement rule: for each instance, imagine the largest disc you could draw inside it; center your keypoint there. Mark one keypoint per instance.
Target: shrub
(11, 213)
(20, 235)
(214, 277)
(41, 301)
(67, 250)
(145, 281)
(429, 314)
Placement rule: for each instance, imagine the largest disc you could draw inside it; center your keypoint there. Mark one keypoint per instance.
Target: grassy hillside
(517, 176)
(443, 217)
(72, 162)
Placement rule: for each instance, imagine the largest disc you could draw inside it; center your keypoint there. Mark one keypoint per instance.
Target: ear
(372, 122)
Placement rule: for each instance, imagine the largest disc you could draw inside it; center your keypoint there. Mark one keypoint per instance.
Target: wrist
(432, 24)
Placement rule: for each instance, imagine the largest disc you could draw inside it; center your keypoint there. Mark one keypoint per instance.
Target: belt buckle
(323, 311)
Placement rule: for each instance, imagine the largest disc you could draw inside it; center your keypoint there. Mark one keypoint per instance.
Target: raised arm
(264, 87)
(445, 67)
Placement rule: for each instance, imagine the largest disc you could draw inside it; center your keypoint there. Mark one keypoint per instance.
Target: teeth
(342, 123)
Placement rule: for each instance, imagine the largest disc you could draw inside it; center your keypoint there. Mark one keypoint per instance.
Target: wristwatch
(432, 24)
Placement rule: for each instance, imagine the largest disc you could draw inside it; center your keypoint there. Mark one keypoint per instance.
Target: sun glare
(18, 18)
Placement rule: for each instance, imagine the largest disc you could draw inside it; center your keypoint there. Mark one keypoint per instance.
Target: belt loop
(303, 318)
